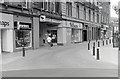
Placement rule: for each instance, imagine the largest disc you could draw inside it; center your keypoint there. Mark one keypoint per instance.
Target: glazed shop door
(84, 35)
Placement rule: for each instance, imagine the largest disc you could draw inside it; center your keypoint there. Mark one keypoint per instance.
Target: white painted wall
(7, 40)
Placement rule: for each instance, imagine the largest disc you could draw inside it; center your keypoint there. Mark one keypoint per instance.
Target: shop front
(22, 32)
(49, 27)
(6, 32)
(76, 32)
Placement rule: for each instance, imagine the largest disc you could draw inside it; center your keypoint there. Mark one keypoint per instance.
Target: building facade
(68, 21)
(105, 18)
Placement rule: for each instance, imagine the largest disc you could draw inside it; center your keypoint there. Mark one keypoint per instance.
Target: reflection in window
(19, 38)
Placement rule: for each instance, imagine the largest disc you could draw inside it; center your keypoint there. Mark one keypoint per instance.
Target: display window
(23, 38)
(75, 35)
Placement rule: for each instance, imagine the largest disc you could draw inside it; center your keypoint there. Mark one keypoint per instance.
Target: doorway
(84, 35)
(53, 35)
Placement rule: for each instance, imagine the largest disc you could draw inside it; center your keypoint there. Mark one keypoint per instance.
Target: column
(61, 36)
(35, 32)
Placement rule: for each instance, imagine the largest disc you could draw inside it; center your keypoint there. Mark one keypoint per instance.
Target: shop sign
(22, 26)
(42, 18)
(6, 21)
(56, 21)
(76, 25)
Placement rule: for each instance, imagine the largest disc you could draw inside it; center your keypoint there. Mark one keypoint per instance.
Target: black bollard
(98, 56)
(110, 41)
(94, 44)
(93, 51)
(103, 42)
(106, 42)
(88, 46)
(98, 44)
(23, 51)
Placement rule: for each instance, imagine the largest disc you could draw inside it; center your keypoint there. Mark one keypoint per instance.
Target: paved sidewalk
(74, 56)
(106, 51)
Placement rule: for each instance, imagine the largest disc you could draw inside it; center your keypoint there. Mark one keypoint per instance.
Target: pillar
(35, 36)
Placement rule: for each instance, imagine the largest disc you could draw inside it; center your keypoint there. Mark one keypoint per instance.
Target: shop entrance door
(84, 35)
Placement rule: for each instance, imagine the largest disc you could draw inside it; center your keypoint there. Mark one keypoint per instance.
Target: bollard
(103, 42)
(110, 41)
(88, 46)
(98, 44)
(93, 50)
(94, 44)
(23, 51)
(106, 42)
(98, 56)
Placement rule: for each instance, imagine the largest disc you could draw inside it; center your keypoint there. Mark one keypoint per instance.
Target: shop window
(19, 38)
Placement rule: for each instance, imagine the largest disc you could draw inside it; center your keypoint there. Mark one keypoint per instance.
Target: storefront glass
(75, 35)
(23, 36)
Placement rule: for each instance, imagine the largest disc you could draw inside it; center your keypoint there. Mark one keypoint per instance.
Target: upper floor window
(89, 15)
(85, 13)
(25, 4)
(48, 5)
(77, 11)
(69, 8)
(93, 16)
(97, 18)
(22, 3)
(57, 7)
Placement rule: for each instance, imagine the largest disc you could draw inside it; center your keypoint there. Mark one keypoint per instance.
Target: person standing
(49, 41)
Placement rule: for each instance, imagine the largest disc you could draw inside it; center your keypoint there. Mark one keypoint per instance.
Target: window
(24, 4)
(89, 15)
(93, 16)
(97, 18)
(77, 11)
(19, 38)
(85, 13)
(69, 8)
(53, 6)
(57, 7)
(45, 5)
(49, 5)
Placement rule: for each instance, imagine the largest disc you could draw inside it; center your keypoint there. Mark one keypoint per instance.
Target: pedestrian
(49, 41)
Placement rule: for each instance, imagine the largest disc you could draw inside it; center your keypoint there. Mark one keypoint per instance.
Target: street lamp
(119, 25)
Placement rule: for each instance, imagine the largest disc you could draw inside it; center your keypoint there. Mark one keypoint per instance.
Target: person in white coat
(49, 41)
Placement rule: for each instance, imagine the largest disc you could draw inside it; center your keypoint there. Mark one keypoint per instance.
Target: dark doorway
(84, 35)
(53, 35)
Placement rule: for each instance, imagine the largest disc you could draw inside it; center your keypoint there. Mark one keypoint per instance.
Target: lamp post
(119, 25)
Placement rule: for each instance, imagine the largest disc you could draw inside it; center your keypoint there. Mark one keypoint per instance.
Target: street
(62, 61)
